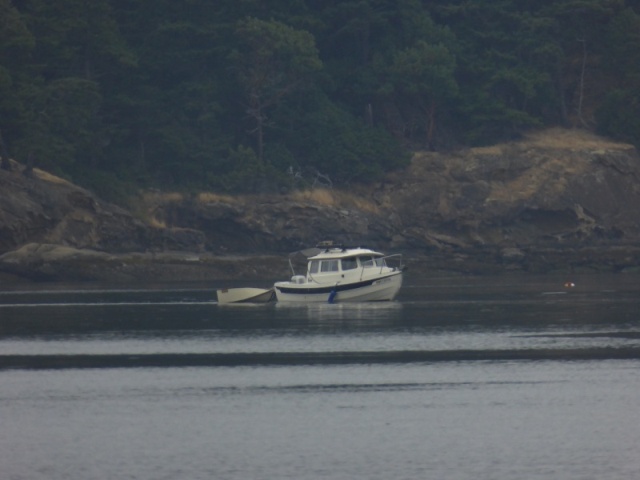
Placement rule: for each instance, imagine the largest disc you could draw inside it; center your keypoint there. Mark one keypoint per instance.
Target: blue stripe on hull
(337, 288)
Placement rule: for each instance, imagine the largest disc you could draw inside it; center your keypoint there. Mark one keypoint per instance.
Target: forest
(269, 95)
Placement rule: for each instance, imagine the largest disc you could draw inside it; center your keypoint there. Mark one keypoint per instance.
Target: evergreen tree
(618, 115)
(78, 47)
(172, 107)
(579, 32)
(272, 61)
(16, 44)
(233, 93)
(504, 63)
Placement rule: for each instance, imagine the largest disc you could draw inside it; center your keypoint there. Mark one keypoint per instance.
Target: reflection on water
(460, 378)
(369, 314)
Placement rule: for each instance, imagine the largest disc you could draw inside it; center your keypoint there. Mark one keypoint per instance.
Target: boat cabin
(343, 274)
(335, 264)
(330, 265)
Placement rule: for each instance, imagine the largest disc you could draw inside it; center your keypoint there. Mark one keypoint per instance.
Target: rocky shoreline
(53, 263)
(559, 201)
(46, 263)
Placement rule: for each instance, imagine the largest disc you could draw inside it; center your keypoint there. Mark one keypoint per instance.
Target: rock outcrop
(555, 200)
(43, 208)
(560, 199)
(47, 262)
(561, 188)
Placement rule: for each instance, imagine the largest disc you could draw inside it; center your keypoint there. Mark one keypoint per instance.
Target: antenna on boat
(329, 244)
(326, 244)
(293, 272)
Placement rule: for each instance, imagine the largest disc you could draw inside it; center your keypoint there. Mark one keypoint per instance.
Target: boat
(337, 273)
(244, 295)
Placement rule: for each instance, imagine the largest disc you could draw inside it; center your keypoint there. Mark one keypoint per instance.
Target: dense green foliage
(253, 95)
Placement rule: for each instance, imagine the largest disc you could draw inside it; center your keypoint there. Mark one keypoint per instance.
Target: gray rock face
(563, 189)
(274, 224)
(46, 262)
(43, 208)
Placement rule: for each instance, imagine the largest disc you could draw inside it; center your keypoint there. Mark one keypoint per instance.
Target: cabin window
(313, 266)
(379, 262)
(349, 263)
(329, 266)
(366, 262)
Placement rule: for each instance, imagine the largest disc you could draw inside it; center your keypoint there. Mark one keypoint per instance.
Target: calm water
(462, 378)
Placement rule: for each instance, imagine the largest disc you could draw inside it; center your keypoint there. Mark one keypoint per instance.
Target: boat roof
(344, 252)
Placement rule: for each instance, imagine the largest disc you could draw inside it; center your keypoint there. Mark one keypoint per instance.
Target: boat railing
(397, 257)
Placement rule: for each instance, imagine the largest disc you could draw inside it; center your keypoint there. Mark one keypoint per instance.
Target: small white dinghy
(244, 295)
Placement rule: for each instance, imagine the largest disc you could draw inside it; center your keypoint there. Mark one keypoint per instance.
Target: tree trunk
(255, 110)
(564, 114)
(5, 164)
(582, 75)
(431, 123)
(260, 137)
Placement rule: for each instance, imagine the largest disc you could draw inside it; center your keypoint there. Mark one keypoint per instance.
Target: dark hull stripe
(336, 288)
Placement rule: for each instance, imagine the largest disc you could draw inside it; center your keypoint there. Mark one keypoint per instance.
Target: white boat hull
(377, 289)
(244, 295)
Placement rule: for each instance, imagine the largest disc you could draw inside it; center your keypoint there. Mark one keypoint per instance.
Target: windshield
(349, 263)
(368, 261)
